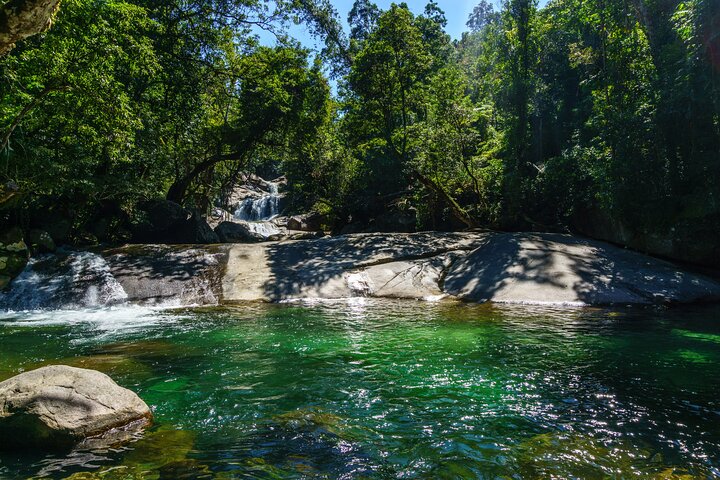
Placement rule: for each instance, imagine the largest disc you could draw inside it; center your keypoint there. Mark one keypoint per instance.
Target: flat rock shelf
(478, 267)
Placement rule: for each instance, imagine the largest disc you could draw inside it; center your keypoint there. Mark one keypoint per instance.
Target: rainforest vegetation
(576, 115)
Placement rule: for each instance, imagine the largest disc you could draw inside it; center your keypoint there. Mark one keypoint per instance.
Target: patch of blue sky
(456, 11)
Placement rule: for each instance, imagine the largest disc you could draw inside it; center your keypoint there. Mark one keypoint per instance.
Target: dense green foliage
(582, 112)
(537, 115)
(122, 102)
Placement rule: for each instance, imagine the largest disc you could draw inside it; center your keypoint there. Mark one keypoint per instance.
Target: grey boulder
(57, 406)
(248, 232)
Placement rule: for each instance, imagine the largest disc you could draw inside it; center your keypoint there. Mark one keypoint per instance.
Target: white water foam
(265, 229)
(107, 321)
(67, 280)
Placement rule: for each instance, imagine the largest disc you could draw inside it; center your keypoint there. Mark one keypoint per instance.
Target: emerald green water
(378, 389)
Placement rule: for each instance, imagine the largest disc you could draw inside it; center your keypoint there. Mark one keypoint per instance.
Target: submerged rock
(309, 420)
(58, 406)
(574, 455)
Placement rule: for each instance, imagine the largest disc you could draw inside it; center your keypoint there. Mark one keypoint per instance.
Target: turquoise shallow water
(380, 389)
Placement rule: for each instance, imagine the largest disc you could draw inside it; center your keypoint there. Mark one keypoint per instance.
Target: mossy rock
(162, 453)
(573, 455)
(309, 420)
(14, 255)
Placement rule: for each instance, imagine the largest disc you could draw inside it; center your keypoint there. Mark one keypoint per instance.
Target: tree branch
(20, 19)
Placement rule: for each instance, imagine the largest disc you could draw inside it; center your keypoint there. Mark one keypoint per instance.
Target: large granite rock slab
(168, 275)
(562, 269)
(472, 266)
(383, 265)
(479, 267)
(58, 406)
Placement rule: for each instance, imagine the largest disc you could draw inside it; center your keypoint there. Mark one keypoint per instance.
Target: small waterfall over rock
(135, 275)
(264, 229)
(66, 280)
(265, 207)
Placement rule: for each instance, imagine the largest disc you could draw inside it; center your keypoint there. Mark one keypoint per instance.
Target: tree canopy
(564, 118)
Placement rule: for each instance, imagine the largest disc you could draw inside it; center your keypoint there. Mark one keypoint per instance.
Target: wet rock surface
(63, 280)
(241, 232)
(168, 275)
(58, 406)
(523, 268)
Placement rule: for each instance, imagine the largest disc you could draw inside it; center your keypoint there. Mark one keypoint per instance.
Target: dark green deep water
(376, 389)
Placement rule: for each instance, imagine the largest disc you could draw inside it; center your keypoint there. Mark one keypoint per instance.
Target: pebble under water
(382, 389)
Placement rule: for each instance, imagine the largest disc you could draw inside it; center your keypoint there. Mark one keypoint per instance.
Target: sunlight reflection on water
(363, 388)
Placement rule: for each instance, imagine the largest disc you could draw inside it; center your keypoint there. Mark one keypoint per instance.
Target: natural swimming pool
(365, 388)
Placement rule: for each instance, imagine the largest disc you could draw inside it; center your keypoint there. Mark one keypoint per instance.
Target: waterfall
(266, 207)
(66, 280)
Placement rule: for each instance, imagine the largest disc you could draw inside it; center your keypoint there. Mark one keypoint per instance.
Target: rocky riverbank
(478, 266)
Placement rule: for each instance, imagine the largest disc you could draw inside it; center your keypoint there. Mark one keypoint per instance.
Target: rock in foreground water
(57, 406)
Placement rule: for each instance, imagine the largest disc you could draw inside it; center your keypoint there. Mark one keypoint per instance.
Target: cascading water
(256, 213)
(66, 280)
(259, 209)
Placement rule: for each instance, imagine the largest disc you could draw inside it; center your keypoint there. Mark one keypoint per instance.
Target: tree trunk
(23, 113)
(20, 19)
(457, 210)
(179, 188)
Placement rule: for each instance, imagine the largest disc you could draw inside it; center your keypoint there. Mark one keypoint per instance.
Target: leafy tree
(362, 18)
(279, 103)
(482, 15)
(519, 54)
(73, 104)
